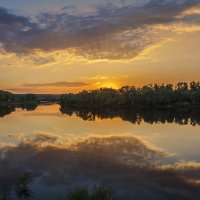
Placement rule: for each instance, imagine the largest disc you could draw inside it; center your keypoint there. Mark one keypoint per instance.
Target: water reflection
(181, 116)
(152, 116)
(6, 110)
(134, 168)
(19, 188)
(29, 107)
(63, 152)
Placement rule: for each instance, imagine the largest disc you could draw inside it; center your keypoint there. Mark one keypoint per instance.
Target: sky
(61, 46)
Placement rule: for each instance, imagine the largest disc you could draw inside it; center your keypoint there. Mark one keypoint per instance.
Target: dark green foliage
(27, 98)
(30, 97)
(97, 193)
(6, 96)
(26, 101)
(29, 106)
(102, 193)
(165, 95)
(5, 110)
(81, 193)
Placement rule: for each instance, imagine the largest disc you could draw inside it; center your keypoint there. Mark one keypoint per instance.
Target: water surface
(140, 156)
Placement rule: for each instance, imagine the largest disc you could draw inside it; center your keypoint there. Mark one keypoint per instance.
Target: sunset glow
(109, 85)
(67, 41)
(99, 99)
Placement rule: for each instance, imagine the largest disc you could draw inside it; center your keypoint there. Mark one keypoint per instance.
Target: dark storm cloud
(56, 84)
(7, 18)
(110, 32)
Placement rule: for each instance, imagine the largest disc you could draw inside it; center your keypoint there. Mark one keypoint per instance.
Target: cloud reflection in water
(131, 166)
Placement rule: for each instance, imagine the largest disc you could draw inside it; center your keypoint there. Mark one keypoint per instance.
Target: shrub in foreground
(97, 193)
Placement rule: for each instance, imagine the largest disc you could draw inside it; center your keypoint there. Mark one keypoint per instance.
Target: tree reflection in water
(136, 116)
(6, 110)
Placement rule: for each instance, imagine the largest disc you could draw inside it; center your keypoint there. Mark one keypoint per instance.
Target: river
(139, 157)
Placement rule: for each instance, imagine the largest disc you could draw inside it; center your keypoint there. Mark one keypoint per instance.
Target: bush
(97, 193)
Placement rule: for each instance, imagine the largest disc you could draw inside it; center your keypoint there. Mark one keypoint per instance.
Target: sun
(109, 85)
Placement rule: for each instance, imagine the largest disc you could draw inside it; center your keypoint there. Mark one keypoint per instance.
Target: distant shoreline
(4, 104)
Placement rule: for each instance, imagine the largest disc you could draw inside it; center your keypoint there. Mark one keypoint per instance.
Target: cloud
(100, 77)
(43, 88)
(111, 31)
(56, 84)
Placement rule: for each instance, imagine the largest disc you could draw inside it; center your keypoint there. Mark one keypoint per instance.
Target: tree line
(6, 96)
(9, 98)
(152, 95)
